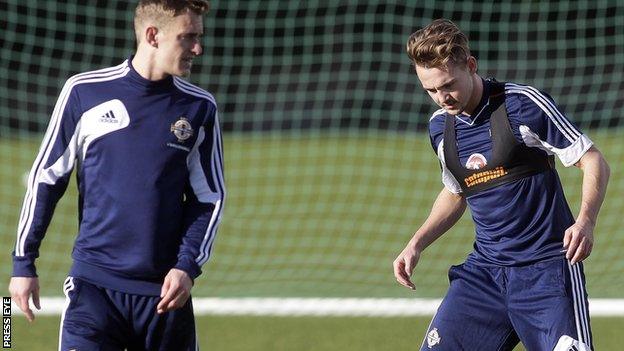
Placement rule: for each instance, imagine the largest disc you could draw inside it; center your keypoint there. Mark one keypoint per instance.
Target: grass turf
(316, 216)
(320, 216)
(219, 333)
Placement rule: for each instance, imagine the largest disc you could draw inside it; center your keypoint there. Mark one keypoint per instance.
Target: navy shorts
(543, 305)
(96, 318)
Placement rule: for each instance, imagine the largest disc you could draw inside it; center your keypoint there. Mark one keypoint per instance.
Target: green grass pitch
(316, 216)
(320, 215)
(299, 333)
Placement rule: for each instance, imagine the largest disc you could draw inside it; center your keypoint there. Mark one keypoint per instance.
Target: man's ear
(151, 36)
(471, 63)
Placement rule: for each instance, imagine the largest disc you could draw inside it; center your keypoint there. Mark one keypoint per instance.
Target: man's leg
(89, 321)
(548, 306)
(473, 315)
(173, 330)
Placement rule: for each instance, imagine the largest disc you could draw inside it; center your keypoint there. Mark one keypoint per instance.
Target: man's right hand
(404, 265)
(445, 212)
(21, 288)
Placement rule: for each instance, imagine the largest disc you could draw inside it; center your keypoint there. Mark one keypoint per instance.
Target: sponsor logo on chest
(476, 161)
(109, 117)
(103, 119)
(182, 129)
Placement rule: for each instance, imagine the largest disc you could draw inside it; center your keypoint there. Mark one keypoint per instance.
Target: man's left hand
(175, 291)
(578, 241)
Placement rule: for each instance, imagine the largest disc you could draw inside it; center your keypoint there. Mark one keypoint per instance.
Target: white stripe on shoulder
(548, 104)
(102, 71)
(558, 119)
(437, 113)
(54, 123)
(190, 86)
(28, 207)
(65, 92)
(193, 89)
(541, 95)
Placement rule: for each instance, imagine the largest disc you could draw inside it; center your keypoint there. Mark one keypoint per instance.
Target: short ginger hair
(161, 12)
(438, 44)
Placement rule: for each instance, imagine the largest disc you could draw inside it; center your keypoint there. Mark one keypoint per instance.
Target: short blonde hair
(439, 43)
(161, 12)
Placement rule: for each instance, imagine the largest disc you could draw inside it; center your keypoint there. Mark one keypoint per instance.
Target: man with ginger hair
(496, 144)
(148, 151)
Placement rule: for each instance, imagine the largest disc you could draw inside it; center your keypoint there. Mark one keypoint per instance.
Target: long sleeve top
(148, 157)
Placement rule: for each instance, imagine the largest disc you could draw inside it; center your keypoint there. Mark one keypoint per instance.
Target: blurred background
(329, 168)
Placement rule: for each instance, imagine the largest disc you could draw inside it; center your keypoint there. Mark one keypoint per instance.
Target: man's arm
(445, 212)
(47, 183)
(203, 208)
(542, 125)
(579, 238)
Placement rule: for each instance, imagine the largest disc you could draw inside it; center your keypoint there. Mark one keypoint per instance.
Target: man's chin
(453, 111)
(184, 69)
(183, 72)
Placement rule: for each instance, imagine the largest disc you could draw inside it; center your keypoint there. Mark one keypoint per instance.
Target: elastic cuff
(189, 266)
(23, 267)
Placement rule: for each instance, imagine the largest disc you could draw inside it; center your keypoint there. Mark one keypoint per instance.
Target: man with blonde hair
(148, 151)
(496, 144)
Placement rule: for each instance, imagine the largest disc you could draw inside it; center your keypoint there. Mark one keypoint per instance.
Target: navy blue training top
(523, 221)
(149, 166)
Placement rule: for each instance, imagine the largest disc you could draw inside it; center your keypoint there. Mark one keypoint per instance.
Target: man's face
(179, 43)
(451, 87)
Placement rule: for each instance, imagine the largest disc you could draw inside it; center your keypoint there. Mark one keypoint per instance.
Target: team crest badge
(182, 129)
(476, 161)
(433, 338)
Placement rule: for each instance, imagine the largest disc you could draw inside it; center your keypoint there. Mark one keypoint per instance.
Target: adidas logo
(109, 117)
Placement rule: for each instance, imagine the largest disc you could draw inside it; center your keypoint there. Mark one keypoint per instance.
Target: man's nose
(443, 96)
(197, 49)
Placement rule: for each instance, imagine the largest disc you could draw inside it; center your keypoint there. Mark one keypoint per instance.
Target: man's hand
(578, 241)
(175, 291)
(21, 288)
(404, 265)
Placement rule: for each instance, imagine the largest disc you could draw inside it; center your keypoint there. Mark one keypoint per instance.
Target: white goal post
(345, 307)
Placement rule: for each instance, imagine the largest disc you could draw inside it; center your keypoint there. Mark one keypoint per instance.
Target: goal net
(328, 164)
